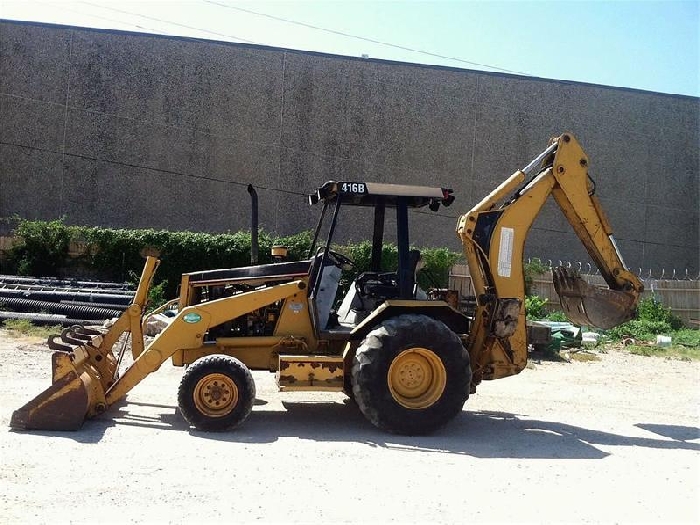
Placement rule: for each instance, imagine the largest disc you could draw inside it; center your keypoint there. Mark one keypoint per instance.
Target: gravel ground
(610, 441)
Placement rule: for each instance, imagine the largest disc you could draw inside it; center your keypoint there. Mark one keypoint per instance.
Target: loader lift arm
(493, 235)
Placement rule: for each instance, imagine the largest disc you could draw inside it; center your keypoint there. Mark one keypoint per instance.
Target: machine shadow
(676, 432)
(480, 434)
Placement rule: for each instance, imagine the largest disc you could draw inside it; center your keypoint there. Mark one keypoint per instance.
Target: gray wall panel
(167, 132)
(34, 61)
(30, 183)
(30, 122)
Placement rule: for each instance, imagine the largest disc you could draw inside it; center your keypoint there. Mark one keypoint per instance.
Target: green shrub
(531, 269)
(558, 316)
(361, 255)
(43, 248)
(687, 337)
(535, 307)
(641, 329)
(654, 310)
(436, 272)
(115, 254)
(298, 245)
(653, 318)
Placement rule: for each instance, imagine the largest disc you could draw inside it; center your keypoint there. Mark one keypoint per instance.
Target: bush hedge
(653, 318)
(115, 254)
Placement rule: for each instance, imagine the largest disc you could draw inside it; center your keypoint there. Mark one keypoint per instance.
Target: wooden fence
(681, 296)
(6, 243)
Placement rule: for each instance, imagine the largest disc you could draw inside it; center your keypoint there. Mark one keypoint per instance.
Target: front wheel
(216, 393)
(411, 375)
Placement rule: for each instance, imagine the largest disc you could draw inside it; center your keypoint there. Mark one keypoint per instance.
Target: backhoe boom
(493, 235)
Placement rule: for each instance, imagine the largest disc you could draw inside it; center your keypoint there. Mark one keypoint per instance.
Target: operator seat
(370, 289)
(321, 304)
(385, 285)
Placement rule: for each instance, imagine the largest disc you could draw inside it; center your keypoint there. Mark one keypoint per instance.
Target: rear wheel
(216, 393)
(411, 375)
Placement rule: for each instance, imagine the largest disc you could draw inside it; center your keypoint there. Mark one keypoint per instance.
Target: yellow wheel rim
(417, 378)
(215, 395)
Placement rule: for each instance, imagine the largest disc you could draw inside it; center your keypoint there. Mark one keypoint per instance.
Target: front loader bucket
(64, 405)
(587, 305)
(81, 370)
(60, 407)
(85, 367)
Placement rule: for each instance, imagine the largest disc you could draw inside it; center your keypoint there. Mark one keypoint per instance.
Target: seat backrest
(322, 298)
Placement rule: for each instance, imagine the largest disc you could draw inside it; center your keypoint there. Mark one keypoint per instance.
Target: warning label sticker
(505, 252)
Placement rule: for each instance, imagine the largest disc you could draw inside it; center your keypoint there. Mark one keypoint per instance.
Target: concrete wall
(131, 130)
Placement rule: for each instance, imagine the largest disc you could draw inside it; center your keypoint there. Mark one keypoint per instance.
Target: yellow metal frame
(294, 334)
(186, 331)
(96, 359)
(310, 372)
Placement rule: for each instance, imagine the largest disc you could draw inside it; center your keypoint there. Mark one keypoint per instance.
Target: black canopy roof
(372, 193)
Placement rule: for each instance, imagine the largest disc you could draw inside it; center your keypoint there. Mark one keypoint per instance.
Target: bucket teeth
(83, 330)
(68, 336)
(54, 345)
(74, 337)
(76, 332)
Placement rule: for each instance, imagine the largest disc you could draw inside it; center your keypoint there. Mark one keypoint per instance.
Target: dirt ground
(611, 441)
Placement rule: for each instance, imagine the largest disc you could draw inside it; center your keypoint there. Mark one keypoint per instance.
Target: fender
(439, 310)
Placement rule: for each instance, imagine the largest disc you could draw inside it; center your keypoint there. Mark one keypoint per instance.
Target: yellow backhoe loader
(408, 361)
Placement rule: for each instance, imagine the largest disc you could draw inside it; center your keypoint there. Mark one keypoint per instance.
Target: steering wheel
(340, 260)
(336, 258)
(377, 278)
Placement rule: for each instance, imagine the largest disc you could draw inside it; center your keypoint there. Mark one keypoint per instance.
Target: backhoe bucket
(81, 376)
(587, 305)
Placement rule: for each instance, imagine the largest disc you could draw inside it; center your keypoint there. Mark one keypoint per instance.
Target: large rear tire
(216, 393)
(411, 375)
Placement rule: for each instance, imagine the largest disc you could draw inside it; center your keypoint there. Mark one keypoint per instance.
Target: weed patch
(25, 328)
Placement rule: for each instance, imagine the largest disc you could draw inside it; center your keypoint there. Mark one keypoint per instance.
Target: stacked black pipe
(65, 302)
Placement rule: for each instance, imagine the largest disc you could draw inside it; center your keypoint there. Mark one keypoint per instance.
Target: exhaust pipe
(254, 246)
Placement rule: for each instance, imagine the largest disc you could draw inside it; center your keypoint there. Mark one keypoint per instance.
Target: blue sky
(645, 45)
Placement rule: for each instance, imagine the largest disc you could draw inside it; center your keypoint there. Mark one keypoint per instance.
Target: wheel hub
(215, 395)
(417, 378)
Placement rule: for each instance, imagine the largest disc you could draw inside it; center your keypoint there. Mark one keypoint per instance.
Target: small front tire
(216, 393)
